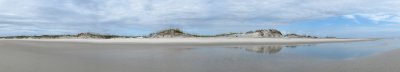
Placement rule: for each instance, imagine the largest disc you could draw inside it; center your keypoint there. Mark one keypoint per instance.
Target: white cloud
(352, 17)
(192, 14)
(377, 17)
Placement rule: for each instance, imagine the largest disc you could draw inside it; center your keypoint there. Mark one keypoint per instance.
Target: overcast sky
(342, 18)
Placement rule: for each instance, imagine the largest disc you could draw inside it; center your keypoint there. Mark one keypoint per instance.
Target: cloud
(109, 16)
(352, 17)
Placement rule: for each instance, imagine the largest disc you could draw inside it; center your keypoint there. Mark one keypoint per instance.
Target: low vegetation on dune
(170, 33)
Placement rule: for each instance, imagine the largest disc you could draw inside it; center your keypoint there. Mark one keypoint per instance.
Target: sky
(341, 18)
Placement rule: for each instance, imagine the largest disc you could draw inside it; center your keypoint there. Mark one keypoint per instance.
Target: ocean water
(368, 56)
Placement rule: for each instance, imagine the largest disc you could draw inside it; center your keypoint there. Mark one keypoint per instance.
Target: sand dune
(200, 40)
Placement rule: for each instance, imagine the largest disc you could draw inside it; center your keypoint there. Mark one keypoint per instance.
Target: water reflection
(299, 45)
(269, 49)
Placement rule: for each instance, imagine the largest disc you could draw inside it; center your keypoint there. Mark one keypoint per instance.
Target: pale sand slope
(199, 40)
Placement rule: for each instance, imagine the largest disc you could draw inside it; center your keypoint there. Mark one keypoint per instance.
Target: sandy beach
(198, 40)
(73, 56)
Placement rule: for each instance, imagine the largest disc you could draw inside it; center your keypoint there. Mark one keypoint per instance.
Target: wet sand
(51, 56)
(386, 62)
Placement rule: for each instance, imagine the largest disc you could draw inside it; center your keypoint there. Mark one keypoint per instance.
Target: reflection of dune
(271, 49)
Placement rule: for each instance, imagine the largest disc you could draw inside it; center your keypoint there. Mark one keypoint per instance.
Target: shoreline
(198, 40)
